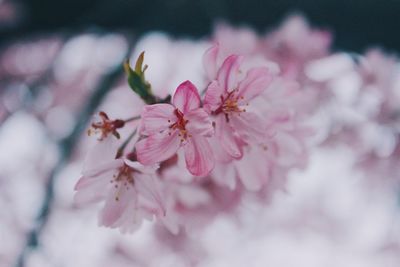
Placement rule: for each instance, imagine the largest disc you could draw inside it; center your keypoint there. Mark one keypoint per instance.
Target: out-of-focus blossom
(128, 188)
(294, 44)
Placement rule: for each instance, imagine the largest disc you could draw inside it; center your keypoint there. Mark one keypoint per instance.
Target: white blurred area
(330, 215)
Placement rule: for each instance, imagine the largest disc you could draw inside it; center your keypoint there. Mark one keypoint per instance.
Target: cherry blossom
(169, 127)
(228, 98)
(129, 190)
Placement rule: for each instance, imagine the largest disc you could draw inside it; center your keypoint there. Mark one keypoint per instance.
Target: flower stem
(121, 149)
(132, 119)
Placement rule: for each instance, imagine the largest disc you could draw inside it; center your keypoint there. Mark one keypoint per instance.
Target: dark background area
(357, 24)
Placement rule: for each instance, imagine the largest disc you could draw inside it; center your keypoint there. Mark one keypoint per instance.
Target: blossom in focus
(129, 189)
(170, 127)
(228, 98)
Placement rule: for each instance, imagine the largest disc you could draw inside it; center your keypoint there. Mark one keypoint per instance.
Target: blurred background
(59, 61)
(357, 24)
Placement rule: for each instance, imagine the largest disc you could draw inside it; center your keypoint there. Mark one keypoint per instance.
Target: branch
(66, 147)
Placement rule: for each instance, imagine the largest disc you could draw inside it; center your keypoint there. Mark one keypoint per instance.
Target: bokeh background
(60, 62)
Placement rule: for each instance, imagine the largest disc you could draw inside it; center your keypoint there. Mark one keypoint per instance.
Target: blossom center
(229, 105)
(180, 125)
(123, 178)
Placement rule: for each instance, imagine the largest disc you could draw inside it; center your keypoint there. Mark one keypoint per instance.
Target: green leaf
(137, 80)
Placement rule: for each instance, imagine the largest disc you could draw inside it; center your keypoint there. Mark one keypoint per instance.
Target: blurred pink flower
(182, 124)
(294, 44)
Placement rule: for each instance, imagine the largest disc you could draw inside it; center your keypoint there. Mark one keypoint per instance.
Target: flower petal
(219, 151)
(90, 189)
(227, 74)
(253, 169)
(186, 97)
(255, 82)
(249, 126)
(131, 219)
(225, 135)
(210, 62)
(198, 156)
(157, 147)
(212, 98)
(156, 118)
(146, 186)
(225, 175)
(199, 123)
(170, 223)
(115, 205)
(103, 152)
(103, 167)
(150, 169)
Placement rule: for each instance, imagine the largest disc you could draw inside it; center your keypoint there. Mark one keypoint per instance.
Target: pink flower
(129, 189)
(182, 124)
(294, 44)
(228, 99)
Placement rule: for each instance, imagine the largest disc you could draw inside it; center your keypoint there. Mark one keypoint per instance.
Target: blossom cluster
(197, 150)
(197, 153)
(363, 108)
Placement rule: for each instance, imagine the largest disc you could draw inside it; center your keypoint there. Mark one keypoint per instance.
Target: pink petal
(103, 152)
(90, 190)
(227, 74)
(131, 219)
(253, 170)
(115, 205)
(255, 82)
(157, 117)
(198, 156)
(249, 126)
(170, 223)
(225, 175)
(210, 62)
(199, 123)
(186, 97)
(212, 98)
(225, 135)
(103, 167)
(219, 152)
(157, 147)
(151, 169)
(146, 186)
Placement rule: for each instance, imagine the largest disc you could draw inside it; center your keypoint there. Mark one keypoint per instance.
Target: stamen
(229, 105)
(106, 126)
(124, 178)
(180, 125)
